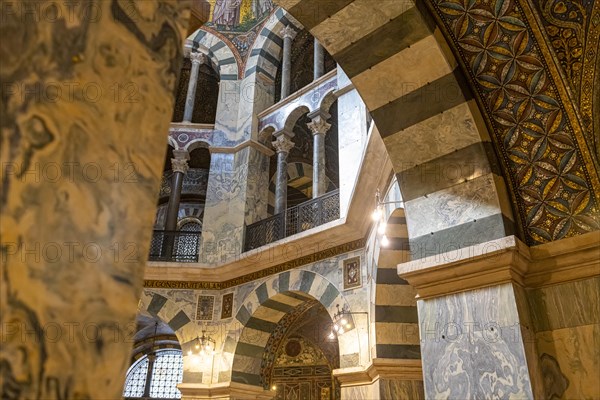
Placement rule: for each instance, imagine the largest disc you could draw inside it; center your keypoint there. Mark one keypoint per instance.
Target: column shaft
(174, 199)
(287, 33)
(319, 127)
(319, 63)
(281, 183)
(282, 145)
(319, 176)
(197, 59)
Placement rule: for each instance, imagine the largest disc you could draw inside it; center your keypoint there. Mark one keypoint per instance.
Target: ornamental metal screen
(178, 246)
(300, 218)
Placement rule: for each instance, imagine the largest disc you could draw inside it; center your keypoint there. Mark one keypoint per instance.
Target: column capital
(283, 143)
(288, 32)
(319, 124)
(197, 57)
(180, 161)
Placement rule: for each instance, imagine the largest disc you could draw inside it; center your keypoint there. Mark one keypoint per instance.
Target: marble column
(319, 127)
(81, 174)
(288, 34)
(197, 60)
(282, 144)
(319, 60)
(180, 168)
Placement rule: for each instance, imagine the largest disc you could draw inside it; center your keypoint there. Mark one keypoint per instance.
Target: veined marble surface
(78, 190)
(472, 346)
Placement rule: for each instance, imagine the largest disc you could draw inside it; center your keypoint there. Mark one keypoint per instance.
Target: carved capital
(288, 32)
(283, 144)
(319, 124)
(180, 161)
(197, 58)
(179, 165)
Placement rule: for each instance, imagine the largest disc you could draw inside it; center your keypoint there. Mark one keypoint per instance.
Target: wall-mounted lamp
(380, 218)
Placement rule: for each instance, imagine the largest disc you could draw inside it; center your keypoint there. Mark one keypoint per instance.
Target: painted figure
(261, 7)
(227, 13)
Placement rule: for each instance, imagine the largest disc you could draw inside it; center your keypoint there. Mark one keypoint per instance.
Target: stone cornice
(380, 368)
(229, 390)
(295, 263)
(504, 260)
(248, 143)
(296, 95)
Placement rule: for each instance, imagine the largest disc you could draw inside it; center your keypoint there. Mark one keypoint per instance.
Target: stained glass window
(167, 372)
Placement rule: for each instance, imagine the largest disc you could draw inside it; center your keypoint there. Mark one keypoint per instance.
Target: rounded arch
(177, 317)
(265, 136)
(427, 118)
(288, 293)
(196, 144)
(327, 101)
(219, 51)
(293, 116)
(266, 53)
(172, 142)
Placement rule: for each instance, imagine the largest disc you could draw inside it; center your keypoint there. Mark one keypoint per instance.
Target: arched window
(164, 374)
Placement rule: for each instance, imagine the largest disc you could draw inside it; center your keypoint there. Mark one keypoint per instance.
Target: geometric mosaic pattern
(549, 173)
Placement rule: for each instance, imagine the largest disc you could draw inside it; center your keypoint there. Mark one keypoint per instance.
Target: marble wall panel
(393, 389)
(352, 138)
(227, 109)
(361, 392)
(472, 345)
(223, 223)
(570, 361)
(472, 200)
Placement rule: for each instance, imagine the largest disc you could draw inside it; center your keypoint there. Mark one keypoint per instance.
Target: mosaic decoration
(352, 273)
(277, 337)
(574, 31)
(204, 310)
(238, 21)
(227, 306)
(537, 133)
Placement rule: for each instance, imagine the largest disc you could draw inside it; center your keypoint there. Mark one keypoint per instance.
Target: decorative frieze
(276, 269)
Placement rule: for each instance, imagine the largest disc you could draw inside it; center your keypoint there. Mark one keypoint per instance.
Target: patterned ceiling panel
(538, 135)
(573, 28)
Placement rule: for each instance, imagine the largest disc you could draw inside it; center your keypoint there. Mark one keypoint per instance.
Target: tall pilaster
(319, 60)
(319, 127)
(197, 59)
(473, 313)
(282, 144)
(180, 167)
(288, 34)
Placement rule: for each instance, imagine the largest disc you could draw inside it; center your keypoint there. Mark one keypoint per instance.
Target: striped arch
(266, 306)
(300, 176)
(454, 192)
(265, 56)
(171, 313)
(396, 318)
(222, 57)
